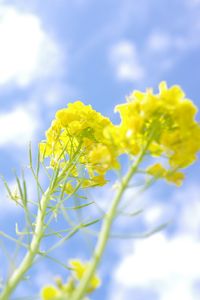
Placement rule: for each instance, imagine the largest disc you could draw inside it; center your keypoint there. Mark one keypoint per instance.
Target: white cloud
(188, 220)
(159, 41)
(153, 214)
(162, 42)
(18, 126)
(164, 258)
(26, 51)
(168, 266)
(125, 60)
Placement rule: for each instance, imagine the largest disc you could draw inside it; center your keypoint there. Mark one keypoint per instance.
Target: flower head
(65, 290)
(78, 130)
(165, 122)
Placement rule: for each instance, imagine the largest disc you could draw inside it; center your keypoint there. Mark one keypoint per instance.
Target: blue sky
(55, 52)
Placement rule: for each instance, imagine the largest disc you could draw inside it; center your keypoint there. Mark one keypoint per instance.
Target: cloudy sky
(55, 52)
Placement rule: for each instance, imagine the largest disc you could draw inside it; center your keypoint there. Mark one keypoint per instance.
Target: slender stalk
(33, 250)
(40, 227)
(105, 231)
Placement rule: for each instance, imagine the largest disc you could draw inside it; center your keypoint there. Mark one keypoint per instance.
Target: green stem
(40, 228)
(33, 250)
(81, 290)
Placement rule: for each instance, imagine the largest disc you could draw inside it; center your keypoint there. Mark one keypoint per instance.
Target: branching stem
(32, 252)
(81, 290)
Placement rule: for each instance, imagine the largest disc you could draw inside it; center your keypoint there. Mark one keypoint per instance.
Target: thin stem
(33, 250)
(40, 228)
(105, 231)
(13, 239)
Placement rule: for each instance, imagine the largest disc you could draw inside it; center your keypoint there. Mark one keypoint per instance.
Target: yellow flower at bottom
(49, 293)
(79, 269)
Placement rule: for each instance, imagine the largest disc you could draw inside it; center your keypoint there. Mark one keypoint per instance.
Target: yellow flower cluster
(163, 124)
(65, 291)
(78, 130)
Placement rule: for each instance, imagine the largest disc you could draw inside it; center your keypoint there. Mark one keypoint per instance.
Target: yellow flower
(171, 96)
(155, 149)
(163, 124)
(156, 170)
(164, 121)
(69, 188)
(101, 159)
(175, 177)
(79, 130)
(79, 117)
(60, 292)
(98, 180)
(65, 290)
(49, 293)
(79, 269)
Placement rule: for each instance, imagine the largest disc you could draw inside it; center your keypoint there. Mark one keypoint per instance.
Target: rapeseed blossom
(65, 290)
(161, 127)
(165, 124)
(79, 130)
(50, 292)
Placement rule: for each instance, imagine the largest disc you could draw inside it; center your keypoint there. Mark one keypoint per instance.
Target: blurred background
(55, 52)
